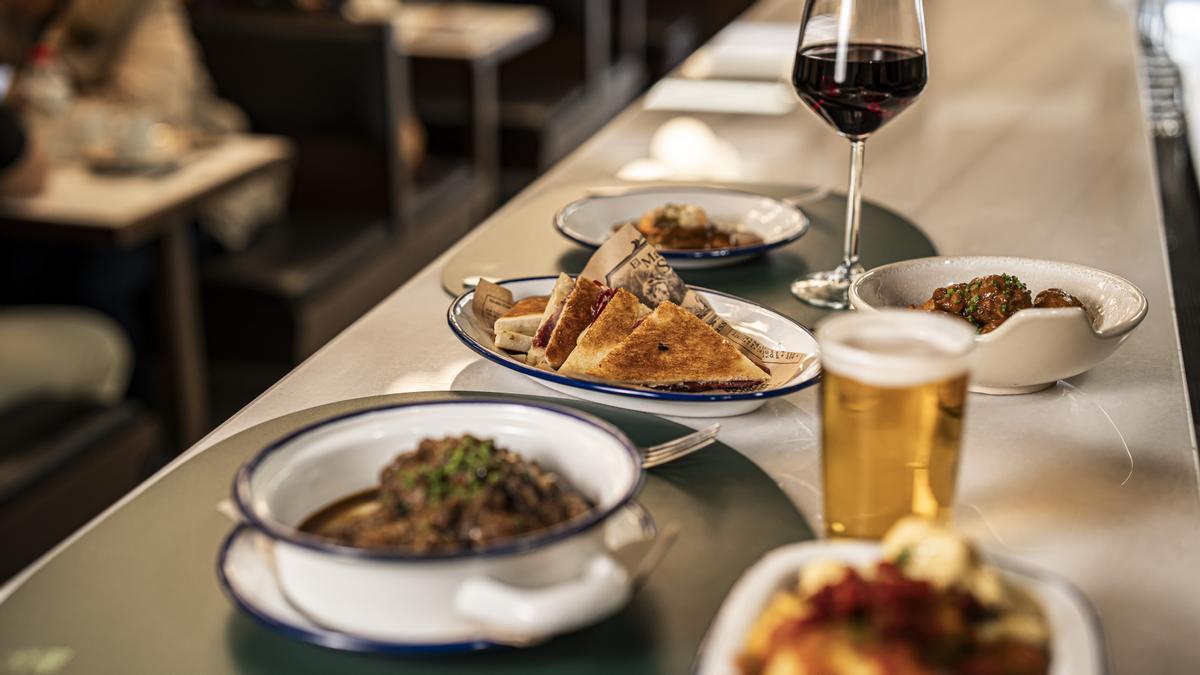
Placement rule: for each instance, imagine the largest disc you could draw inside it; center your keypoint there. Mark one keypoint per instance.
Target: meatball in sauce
(988, 301)
(1056, 297)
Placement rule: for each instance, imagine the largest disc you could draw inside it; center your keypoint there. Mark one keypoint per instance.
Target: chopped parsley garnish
(464, 473)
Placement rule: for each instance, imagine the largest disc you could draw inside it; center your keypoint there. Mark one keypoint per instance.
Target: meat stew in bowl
(447, 494)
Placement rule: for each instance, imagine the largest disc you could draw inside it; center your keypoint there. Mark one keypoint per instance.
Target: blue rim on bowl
(461, 333)
(325, 637)
(334, 639)
(280, 532)
(679, 254)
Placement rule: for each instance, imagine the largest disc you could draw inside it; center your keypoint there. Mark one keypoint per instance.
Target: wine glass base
(828, 290)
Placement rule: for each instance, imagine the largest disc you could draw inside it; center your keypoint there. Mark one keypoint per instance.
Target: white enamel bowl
(1077, 642)
(1035, 347)
(547, 582)
(589, 221)
(768, 326)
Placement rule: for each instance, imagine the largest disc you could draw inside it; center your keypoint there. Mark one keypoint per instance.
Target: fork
(657, 455)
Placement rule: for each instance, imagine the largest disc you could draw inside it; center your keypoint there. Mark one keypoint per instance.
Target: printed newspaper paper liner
(628, 261)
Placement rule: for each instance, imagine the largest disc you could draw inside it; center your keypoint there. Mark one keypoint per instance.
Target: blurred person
(52, 351)
(137, 56)
(137, 53)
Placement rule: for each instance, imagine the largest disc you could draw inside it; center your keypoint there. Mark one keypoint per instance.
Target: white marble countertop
(1029, 141)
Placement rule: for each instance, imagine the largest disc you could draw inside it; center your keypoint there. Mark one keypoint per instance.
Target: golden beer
(892, 398)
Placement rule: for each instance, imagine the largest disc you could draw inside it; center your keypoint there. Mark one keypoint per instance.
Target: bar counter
(1029, 141)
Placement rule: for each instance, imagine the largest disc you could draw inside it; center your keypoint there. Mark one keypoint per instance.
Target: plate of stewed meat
(692, 227)
(439, 526)
(1039, 321)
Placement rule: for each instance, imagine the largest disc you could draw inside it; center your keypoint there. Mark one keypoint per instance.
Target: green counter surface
(138, 593)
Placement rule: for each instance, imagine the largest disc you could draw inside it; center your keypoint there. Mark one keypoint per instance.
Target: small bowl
(1076, 639)
(589, 221)
(536, 585)
(1034, 348)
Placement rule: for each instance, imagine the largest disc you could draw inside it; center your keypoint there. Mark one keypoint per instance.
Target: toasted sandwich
(577, 314)
(674, 350)
(554, 307)
(616, 315)
(523, 318)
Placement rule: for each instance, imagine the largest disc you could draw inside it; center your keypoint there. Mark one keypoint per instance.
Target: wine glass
(859, 63)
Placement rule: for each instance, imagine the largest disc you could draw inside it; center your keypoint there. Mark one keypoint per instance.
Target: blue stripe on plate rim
(279, 532)
(333, 639)
(540, 374)
(325, 637)
(703, 254)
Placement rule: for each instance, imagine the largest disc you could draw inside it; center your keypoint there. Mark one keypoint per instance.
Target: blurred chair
(362, 222)
(69, 447)
(554, 97)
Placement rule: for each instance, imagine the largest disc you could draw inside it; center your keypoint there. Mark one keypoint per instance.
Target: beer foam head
(895, 347)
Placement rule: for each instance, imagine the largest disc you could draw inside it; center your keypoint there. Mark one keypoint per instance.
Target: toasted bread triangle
(558, 296)
(576, 316)
(613, 325)
(674, 347)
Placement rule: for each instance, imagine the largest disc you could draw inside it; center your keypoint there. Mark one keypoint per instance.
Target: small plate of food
(692, 227)
(1039, 321)
(923, 601)
(438, 527)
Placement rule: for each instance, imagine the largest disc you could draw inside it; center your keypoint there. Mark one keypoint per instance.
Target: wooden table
(83, 207)
(470, 31)
(1030, 140)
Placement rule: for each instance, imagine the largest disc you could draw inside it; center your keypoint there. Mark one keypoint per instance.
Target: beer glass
(893, 389)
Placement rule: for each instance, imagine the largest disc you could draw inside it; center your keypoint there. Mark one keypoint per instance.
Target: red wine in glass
(859, 63)
(876, 82)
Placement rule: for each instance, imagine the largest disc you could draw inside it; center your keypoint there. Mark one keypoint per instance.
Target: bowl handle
(603, 588)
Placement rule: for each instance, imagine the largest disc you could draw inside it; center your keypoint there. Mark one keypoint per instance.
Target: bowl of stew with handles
(535, 584)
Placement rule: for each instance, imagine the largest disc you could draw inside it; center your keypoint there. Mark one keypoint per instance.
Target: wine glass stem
(853, 205)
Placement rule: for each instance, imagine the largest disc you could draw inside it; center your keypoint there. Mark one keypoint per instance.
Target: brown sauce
(449, 494)
(339, 514)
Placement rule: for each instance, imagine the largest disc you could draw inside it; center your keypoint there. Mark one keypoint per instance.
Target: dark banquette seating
(361, 221)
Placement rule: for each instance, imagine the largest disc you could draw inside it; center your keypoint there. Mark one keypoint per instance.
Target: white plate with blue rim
(1076, 642)
(773, 329)
(245, 571)
(590, 221)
